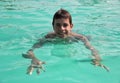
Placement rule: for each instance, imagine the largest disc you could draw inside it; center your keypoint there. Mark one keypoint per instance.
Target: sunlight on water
(23, 22)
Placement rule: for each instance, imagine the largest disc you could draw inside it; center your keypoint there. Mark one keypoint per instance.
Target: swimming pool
(22, 22)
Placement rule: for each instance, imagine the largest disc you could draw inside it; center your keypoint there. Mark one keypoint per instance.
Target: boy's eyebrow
(60, 23)
(57, 23)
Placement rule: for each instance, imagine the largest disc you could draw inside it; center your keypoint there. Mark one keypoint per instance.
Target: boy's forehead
(62, 20)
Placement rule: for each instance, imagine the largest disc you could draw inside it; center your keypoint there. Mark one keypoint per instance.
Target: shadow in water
(91, 2)
(83, 60)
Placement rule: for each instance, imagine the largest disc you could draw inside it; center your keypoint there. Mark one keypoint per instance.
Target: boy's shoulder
(81, 37)
(77, 35)
(50, 35)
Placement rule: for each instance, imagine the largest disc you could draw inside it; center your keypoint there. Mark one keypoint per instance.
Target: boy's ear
(71, 25)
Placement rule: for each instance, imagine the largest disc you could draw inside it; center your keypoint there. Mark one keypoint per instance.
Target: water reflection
(93, 2)
(8, 4)
(7, 0)
(28, 4)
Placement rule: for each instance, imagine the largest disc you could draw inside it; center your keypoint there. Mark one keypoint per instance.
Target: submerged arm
(35, 62)
(97, 59)
(38, 44)
(90, 47)
(30, 54)
(87, 44)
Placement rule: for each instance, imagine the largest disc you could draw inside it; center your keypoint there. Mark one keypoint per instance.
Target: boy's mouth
(62, 34)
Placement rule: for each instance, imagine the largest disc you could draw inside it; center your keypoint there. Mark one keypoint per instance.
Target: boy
(62, 26)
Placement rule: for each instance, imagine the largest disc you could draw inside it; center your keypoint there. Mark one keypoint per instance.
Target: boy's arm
(96, 60)
(87, 44)
(30, 53)
(35, 62)
(38, 44)
(43, 40)
(90, 47)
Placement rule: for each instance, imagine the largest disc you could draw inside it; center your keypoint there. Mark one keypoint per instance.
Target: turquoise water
(22, 22)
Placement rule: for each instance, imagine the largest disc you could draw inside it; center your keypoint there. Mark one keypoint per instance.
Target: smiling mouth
(62, 33)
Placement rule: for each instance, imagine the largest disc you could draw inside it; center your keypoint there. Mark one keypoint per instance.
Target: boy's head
(62, 23)
(62, 14)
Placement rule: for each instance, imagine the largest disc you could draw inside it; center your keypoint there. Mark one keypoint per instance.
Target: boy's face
(62, 27)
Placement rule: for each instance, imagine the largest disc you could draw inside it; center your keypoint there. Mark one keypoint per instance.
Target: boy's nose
(62, 28)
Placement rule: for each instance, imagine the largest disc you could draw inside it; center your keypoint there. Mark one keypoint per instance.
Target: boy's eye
(65, 25)
(58, 25)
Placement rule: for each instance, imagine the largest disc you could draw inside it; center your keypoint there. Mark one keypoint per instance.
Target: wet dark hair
(62, 14)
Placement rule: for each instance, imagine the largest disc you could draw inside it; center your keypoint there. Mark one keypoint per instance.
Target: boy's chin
(62, 36)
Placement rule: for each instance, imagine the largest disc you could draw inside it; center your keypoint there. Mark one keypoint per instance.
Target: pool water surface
(23, 22)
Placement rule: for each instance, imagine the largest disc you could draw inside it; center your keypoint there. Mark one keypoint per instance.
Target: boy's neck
(65, 35)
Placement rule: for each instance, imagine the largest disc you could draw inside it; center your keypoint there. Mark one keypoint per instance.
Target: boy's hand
(35, 63)
(28, 55)
(97, 63)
